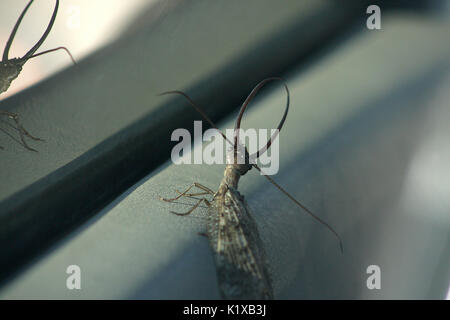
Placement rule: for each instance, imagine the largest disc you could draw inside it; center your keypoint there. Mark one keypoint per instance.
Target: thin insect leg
(10, 135)
(9, 124)
(195, 184)
(15, 117)
(21, 128)
(192, 195)
(179, 196)
(22, 131)
(206, 189)
(13, 138)
(24, 143)
(29, 135)
(193, 208)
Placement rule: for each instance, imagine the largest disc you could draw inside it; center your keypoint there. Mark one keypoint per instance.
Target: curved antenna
(196, 108)
(244, 107)
(52, 50)
(263, 149)
(13, 32)
(44, 36)
(341, 246)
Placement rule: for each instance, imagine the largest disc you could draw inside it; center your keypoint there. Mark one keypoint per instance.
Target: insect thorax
(239, 159)
(9, 70)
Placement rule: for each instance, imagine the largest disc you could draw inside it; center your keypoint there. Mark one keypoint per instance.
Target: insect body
(233, 235)
(238, 250)
(11, 68)
(239, 255)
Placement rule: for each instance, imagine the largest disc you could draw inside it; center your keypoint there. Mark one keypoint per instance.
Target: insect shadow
(239, 255)
(11, 68)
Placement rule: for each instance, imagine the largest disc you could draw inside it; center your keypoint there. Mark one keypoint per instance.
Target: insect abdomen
(238, 251)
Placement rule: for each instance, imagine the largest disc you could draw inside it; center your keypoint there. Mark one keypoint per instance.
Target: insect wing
(239, 254)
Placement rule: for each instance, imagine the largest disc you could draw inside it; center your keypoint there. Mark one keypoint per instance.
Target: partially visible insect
(11, 68)
(233, 235)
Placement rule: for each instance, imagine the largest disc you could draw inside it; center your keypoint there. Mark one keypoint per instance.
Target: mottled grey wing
(238, 250)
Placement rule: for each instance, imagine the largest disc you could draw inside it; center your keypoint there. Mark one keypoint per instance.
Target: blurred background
(365, 145)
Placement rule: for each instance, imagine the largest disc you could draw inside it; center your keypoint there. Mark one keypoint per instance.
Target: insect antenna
(244, 107)
(257, 154)
(44, 36)
(341, 246)
(31, 53)
(52, 50)
(197, 109)
(263, 149)
(13, 32)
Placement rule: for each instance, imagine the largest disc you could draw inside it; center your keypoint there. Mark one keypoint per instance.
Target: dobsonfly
(239, 255)
(11, 68)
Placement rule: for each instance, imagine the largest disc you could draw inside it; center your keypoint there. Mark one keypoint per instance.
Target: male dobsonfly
(233, 235)
(11, 68)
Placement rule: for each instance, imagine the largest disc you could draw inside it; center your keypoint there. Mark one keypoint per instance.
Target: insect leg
(29, 135)
(9, 134)
(193, 208)
(185, 193)
(193, 195)
(20, 128)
